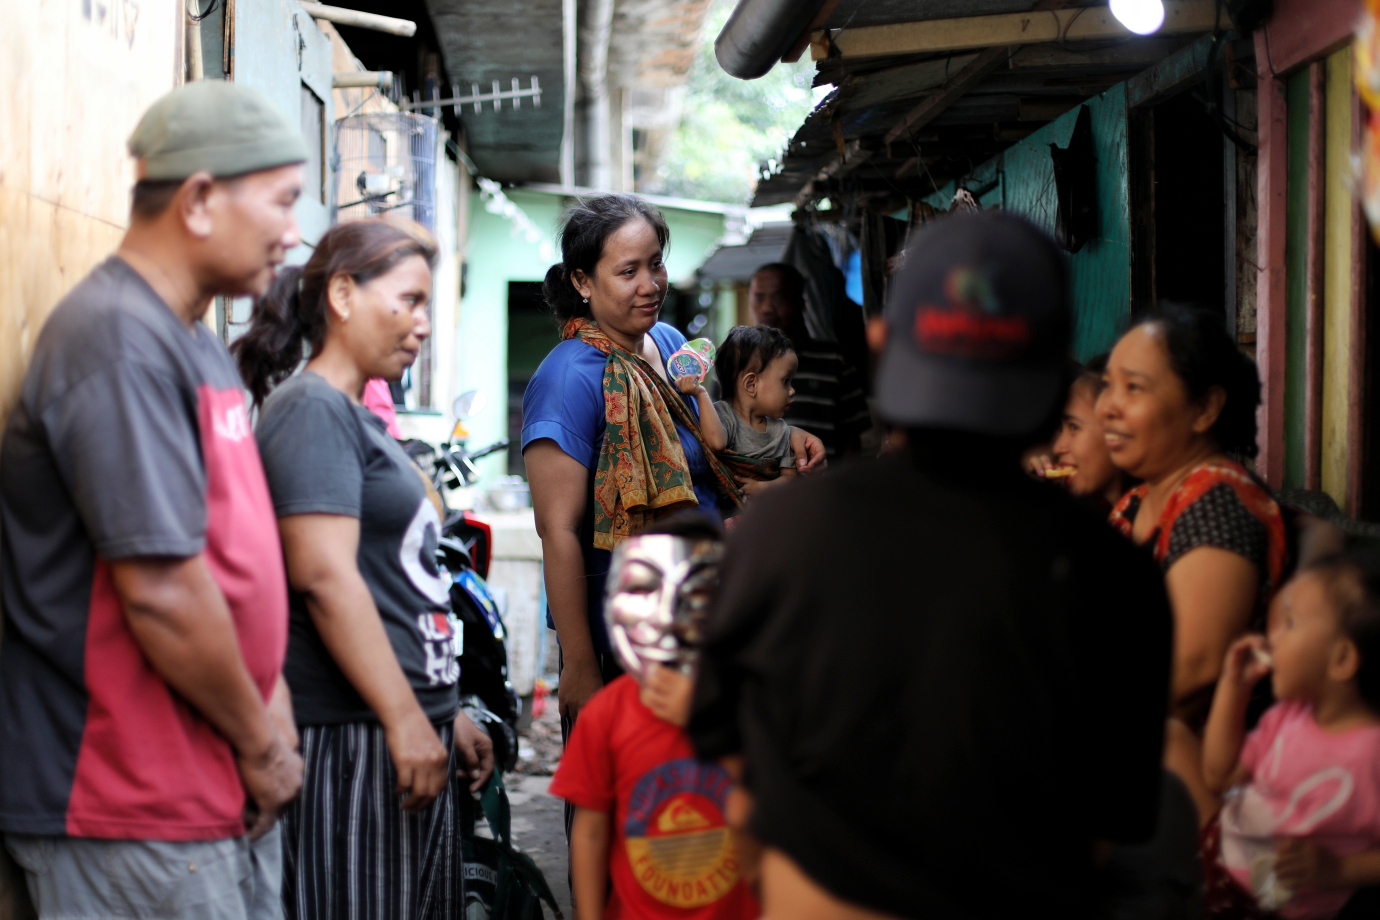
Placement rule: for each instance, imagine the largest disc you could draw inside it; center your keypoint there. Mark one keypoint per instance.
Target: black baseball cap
(978, 324)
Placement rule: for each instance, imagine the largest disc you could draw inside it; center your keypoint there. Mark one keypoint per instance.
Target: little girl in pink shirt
(1299, 828)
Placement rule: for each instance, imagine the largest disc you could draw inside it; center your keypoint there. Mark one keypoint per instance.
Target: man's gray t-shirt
(129, 440)
(326, 455)
(772, 444)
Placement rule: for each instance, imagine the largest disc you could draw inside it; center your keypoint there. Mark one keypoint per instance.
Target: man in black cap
(943, 706)
(147, 735)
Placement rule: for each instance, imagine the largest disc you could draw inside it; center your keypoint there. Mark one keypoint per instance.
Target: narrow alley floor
(538, 818)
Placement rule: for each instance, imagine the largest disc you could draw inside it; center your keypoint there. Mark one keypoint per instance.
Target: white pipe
(344, 17)
(362, 79)
(596, 30)
(195, 68)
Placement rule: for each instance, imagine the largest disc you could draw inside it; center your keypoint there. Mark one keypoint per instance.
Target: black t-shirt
(326, 455)
(947, 681)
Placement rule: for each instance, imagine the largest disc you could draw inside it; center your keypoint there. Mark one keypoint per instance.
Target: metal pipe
(596, 31)
(362, 79)
(759, 32)
(344, 17)
(195, 67)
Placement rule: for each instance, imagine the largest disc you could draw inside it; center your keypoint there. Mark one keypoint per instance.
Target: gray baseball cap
(222, 128)
(978, 320)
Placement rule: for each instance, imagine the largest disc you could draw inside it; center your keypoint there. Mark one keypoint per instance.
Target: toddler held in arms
(1299, 829)
(755, 365)
(649, 838)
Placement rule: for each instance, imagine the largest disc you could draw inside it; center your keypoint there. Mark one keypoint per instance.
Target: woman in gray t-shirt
(371, 655)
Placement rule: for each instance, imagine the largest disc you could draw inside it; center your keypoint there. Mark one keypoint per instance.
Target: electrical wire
(198, 17)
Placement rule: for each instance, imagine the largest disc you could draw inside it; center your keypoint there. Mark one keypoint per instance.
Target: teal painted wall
(1101, 271)
(497, 255)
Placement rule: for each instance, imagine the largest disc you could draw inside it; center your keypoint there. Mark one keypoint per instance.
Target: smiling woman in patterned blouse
(1178, 413)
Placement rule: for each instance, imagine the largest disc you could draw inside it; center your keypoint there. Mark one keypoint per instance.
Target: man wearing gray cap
(944, 708)
(147, 733)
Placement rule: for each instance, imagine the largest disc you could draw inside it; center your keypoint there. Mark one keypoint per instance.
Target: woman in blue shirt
(608, 290)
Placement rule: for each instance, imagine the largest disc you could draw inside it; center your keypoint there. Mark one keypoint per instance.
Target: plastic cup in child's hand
(687, 363)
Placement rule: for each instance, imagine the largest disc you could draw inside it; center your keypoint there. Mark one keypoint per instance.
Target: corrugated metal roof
(739, 263)
(1036, 84)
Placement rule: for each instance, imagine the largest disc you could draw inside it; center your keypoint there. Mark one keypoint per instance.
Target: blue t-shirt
(565, 402)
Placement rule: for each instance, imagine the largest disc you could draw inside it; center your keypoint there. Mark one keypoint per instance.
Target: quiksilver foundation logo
(677, 841)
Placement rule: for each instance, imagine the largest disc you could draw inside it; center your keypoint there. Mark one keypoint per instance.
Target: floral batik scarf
(642, 474)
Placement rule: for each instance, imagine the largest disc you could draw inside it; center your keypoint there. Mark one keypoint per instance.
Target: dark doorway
(1179, 214)
(532, 333)
(1367, 482)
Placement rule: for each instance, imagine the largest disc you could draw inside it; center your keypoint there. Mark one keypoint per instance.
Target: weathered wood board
(77, 76)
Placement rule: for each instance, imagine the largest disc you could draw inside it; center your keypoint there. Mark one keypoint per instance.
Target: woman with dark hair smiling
(1178, 413)
(610, 445)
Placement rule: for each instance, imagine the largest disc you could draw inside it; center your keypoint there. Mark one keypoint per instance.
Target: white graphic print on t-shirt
(418, 557)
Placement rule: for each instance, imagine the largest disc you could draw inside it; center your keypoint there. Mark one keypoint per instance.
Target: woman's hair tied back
(585, 228)
(288, 323)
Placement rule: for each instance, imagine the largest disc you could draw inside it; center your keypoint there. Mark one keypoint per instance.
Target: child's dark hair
(1352, 580)
(689, 525)
(747, 350)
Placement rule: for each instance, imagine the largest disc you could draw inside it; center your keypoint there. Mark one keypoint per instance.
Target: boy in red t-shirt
(648, 815)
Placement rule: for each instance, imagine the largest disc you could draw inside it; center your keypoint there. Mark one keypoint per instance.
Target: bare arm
(1226, 725)
(710, 427)
(589, 862)
(1213, 593)
(321, 552)
(560, 484)
(180, 620)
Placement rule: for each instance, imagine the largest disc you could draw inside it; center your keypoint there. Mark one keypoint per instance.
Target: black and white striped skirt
(349, 850)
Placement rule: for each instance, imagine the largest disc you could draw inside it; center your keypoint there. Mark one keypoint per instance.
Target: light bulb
(1140, 16)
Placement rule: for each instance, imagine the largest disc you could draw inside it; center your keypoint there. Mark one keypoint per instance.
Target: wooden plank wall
(1299, 32)
(1341, 228)
(77, 74)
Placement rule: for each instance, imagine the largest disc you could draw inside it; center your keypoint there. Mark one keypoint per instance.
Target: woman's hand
(749, 488)
(809, 452)
(476, 748)
(420, 758)
(667, 692)
(580, 680)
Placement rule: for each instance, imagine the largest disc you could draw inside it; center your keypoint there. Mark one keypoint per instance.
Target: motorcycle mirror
(467, 404)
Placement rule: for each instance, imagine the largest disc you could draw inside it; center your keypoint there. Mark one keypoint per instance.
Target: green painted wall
(1296, 279)
(1101, 271)
(497, 255)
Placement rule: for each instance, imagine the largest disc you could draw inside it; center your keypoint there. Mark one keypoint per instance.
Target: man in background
(146, 729)
(829, 401)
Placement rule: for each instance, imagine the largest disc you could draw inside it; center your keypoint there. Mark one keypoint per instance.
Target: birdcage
(386, 165)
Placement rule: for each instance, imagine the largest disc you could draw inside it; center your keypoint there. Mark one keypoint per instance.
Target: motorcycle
(465, 550)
